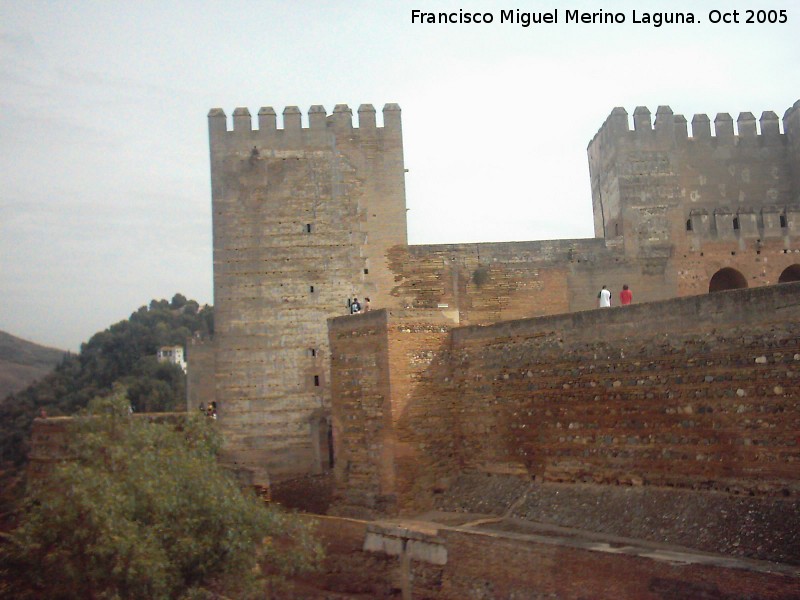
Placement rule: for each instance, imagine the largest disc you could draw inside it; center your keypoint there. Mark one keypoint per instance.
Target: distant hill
(23, 362)
(125, 354)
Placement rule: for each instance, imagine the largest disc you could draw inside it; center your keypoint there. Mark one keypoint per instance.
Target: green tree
(143, 511)
(178, 301)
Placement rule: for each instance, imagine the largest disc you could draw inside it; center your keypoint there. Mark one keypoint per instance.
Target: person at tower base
(626, 295)
(604, 298)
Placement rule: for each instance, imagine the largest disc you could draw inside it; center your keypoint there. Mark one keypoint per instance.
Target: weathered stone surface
(303, 219)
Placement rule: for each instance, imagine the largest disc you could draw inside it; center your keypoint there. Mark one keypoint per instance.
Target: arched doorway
(791, 273)
(727, 279)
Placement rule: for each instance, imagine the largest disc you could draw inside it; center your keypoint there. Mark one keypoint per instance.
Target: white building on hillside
(173, 354)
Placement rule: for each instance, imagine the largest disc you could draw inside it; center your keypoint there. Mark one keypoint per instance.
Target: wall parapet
(666, 316)
(292, 118)
(672, 127)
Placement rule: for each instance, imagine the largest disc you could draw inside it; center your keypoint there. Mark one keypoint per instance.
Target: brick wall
(50, 440)
(490, 282)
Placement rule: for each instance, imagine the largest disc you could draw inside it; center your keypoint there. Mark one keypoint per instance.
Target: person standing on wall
(355, 307)
(625, 296)
(604, 298)
(366, 304)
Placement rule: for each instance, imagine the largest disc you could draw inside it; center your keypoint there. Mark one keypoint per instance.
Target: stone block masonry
(653, 185)
(303, 218)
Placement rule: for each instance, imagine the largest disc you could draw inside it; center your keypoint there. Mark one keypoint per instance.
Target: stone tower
(302, 220)
(661, 191)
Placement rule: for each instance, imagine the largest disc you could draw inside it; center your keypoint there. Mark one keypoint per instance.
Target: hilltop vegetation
(124, 354)
(23, 362)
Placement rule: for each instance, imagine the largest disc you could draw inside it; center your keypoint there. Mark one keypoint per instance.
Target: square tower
(303, 218)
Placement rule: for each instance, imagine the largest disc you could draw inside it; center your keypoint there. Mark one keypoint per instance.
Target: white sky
(104, 180)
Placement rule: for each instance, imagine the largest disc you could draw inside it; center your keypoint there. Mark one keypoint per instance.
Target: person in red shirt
(625, 296)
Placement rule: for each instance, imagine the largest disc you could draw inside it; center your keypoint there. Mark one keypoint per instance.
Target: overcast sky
(104, 181)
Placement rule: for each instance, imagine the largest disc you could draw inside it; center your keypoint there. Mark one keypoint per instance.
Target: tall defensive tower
(658, 188)
(303, 218)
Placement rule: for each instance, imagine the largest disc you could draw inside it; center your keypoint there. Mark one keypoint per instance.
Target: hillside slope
(23, 362)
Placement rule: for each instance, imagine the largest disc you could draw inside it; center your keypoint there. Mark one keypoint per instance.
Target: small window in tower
(311, 289)
(308, 227)
(688, 225)
(366, 271)
(735, 223)
(316, 380)
(312, 351)
(783, 220)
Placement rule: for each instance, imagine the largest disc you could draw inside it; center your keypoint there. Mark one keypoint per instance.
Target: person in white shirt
(604, 298)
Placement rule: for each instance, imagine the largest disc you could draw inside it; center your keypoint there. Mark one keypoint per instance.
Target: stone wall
(307, 217)
(51, 438)
(490, 282)
(698, 393)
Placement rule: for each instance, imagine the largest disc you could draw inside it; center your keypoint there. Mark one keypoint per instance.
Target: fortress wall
(49, 445)
(647, 182)
(699, 392)
(361, 416)
(422, 405)
(791, 127)
(760, 262)
(485, 283)
(303, 217)
(51, 438)
(694, 392)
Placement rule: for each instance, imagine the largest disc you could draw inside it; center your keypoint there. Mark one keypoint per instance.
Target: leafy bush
(144, 511)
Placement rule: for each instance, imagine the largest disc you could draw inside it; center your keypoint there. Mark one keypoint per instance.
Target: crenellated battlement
(651, 173)
(318, 119)
(670, 128)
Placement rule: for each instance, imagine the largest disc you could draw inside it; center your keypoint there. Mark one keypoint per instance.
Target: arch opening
(789, 274)
(727, 279)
